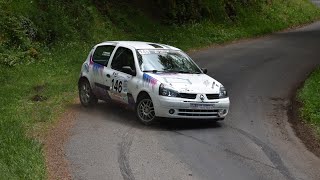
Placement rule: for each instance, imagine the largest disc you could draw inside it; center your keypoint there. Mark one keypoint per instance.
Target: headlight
(223, 92)
(167, 92)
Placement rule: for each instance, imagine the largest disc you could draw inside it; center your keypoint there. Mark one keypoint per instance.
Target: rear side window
(102, 54)
(123, 57)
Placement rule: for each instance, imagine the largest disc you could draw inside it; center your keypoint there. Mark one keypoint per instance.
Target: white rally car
(154, 79)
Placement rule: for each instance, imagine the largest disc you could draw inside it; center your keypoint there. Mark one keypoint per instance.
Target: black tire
(145, 111)
(87, 98)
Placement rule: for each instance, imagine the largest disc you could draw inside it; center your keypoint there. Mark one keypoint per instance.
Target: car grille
(188, 96)
(212, 96)
(197, 112)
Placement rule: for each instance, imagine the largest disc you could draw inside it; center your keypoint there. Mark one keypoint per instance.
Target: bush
(26, 25)
(17, 39)
(62, 20)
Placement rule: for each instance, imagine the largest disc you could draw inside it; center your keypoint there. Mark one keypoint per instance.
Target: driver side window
(123, 57)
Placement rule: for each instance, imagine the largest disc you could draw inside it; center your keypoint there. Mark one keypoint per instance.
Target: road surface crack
(124, 151)
(270, 153)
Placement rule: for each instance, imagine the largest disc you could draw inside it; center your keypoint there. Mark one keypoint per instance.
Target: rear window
(102, 54)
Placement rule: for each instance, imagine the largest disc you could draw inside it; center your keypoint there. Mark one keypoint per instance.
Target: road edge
(253, 38)
(302, 130)
(57, 165)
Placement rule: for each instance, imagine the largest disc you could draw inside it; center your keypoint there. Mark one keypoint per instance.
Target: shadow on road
(185, 124)
(120, 114)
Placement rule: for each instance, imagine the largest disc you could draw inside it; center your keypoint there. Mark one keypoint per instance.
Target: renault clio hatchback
(155, 80)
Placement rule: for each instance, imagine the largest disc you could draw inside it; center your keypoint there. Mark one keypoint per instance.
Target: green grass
(21, 157)
(309, 95)
(55, 70)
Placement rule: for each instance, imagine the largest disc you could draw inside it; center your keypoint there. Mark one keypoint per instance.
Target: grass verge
(31, 97)
(309, 95)
(33, 94)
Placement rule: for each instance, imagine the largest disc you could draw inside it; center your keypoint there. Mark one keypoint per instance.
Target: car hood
(188, 83)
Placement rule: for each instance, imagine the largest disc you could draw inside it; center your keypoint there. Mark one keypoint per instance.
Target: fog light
(171, 111)
(222, 112)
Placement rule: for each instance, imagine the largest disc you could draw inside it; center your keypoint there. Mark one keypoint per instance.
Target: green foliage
(309, 95)
(190, 11)
(17, 34)
(63, 20)
(42, 22)
(181, 11)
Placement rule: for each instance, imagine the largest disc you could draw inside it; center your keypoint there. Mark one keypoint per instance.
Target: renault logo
(202, 97)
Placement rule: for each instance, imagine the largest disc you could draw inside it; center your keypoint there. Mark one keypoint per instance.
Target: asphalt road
(316, 2)
(254, 142)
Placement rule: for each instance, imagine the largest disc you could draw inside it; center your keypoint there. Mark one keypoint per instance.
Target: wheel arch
(142, 94)
(82, 78)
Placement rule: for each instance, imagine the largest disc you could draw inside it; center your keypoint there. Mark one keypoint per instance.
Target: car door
(100, 59)
(120, 78)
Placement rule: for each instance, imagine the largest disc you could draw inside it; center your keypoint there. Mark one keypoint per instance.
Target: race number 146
(116, 85)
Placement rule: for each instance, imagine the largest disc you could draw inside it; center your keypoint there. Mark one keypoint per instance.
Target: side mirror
(204, 70)
(128, 70)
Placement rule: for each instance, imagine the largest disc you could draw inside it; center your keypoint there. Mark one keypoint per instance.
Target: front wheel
(145, 110)
(87, 98)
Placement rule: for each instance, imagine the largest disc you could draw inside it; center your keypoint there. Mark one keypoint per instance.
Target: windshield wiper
(185, 72)
(179, 71)
(171, 71)
(153, 71)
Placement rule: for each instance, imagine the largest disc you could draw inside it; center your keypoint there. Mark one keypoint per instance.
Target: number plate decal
(202, 106)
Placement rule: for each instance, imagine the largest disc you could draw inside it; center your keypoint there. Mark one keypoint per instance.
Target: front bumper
(170, 107)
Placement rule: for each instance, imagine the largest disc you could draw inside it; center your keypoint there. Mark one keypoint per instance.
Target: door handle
(108, 76)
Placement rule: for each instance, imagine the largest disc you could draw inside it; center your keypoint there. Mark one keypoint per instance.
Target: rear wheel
(145, 110)
(87, 98)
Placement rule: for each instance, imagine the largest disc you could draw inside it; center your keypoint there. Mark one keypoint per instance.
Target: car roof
(140, 45)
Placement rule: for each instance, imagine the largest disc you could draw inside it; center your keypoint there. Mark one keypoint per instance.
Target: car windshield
(166, 61)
